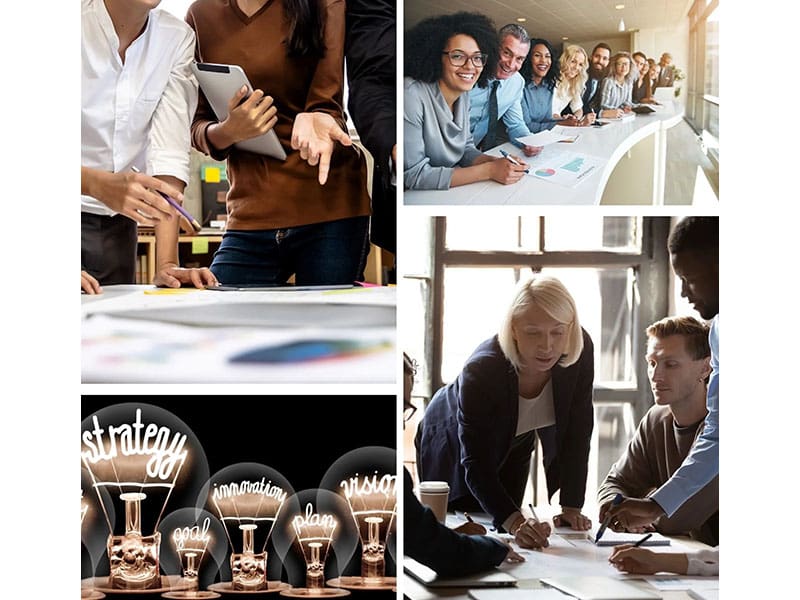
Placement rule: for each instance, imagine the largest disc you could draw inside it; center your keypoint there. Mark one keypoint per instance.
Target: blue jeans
(334, 252)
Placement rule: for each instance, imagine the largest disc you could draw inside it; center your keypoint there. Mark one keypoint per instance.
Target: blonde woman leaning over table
(445, 57)
(531, 380)
(569, 87)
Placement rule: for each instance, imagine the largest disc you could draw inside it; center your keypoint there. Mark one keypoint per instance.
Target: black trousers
(108, 248)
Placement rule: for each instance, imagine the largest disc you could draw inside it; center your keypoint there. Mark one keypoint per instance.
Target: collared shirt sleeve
(703, 562)
(702, 464)
(512, 117)
(170, 135)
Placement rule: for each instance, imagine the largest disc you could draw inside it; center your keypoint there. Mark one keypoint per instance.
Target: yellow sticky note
(212, 174)
(199, 245)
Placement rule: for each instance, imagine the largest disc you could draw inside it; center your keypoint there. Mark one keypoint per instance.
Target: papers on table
(668, 583)
(624, 118)
(563, 167)
(613, 538)
(548, 136)
(515, 594)
(599, 588)
(704, 593)
(429, 577)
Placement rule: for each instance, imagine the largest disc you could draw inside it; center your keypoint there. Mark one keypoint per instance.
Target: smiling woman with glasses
(445, 57)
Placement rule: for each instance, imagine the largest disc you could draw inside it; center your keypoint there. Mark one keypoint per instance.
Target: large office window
(458, 283)
(703, 107)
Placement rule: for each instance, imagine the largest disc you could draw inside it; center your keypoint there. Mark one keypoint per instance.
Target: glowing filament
(247, 538)
(133, 511)
(374, 528)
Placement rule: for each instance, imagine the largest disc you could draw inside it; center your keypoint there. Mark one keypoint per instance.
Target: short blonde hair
(549, 294)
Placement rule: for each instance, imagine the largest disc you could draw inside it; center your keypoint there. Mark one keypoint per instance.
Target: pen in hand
(192, 221)
(533, 512)
(617, 500)
(512, 159)
(468, 518)
(643, 540)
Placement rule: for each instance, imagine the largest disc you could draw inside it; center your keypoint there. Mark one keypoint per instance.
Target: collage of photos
(279, 337)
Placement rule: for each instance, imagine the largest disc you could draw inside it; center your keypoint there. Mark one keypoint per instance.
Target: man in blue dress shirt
(508, 83)
(694, 253)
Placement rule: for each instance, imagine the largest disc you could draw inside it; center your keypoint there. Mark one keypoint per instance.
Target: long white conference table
(633, 155)
(144, 334)
(570, 556)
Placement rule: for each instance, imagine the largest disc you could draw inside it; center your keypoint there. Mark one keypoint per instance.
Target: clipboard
(219, 83)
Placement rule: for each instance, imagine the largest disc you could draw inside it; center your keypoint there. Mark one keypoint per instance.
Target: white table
(565, 557)
(634, 171)
(139, 333)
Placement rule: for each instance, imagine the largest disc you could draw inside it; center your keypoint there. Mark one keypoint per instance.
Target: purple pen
(174, 203)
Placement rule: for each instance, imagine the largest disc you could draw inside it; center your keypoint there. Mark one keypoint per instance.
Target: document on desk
(614, 538)
(516, 594)
(599, 588)
(563, 167)
(546, 137)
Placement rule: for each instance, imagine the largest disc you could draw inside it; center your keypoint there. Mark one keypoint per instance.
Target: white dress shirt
(135, 113)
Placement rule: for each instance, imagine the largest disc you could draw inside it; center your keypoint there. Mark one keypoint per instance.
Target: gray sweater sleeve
(436, 140)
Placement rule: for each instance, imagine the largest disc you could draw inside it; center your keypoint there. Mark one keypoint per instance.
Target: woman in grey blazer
(445, 57)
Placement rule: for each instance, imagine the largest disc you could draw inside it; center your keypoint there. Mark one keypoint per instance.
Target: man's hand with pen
(530, 532)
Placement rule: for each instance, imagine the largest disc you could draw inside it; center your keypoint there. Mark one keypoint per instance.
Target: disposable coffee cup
(434, 494)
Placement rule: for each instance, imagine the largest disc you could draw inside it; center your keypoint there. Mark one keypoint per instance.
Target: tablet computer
(219, 83)
(643, 109)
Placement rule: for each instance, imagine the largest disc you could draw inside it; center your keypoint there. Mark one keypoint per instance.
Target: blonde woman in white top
(569, 87)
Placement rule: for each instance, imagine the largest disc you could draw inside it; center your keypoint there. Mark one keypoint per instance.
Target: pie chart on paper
(545, 172)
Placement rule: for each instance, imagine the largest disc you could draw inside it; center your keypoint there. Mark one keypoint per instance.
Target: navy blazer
(438, 547)
(469, 425)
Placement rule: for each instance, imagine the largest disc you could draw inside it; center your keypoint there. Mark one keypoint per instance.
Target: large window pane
(476, 301)
(712, 54)
(610, 233)
(492, 232)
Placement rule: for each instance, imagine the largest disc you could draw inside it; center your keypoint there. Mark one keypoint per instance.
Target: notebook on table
(430, 578)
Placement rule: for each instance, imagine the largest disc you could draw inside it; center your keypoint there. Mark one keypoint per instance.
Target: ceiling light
(621, 25)
(619, 6)
(521, 19)
(565, 38)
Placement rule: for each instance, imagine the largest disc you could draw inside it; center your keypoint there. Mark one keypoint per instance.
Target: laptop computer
(430, 578)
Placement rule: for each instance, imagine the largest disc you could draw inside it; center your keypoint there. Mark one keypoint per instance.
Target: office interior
(456, 286)
(688, 29)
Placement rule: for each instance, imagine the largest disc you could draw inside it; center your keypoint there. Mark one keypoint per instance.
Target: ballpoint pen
(192, 221)
(533, 512)
(617, 499)
(643, 540)
(468, 518)
(511, 159)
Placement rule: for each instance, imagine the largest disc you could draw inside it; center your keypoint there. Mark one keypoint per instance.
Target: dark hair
(526, 71)
(695, 234)
(425, 42)
(602, 45)
(306, 21)
(640, 53)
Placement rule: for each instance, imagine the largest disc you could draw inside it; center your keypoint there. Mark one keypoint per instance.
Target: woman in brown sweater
(300, 216)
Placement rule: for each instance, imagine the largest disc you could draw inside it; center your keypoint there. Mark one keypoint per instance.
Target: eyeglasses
(459, 59)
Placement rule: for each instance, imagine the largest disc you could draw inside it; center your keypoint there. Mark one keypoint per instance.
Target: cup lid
(434, 486)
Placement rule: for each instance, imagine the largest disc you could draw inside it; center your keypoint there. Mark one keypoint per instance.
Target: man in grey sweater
(678, 367)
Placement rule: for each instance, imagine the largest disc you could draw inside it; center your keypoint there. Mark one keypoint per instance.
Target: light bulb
(621, 24)
(195, 547)
(134, 455)
(365, 478)
(247, 498)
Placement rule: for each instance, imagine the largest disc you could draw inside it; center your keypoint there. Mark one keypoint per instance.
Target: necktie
(491, 134)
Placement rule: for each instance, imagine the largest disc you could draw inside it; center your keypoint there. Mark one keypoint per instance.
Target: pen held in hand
(617, 500)
(512, 159)
(468, 518)
(643, 540)
(174, 203)
(533, 512)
